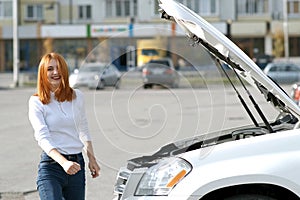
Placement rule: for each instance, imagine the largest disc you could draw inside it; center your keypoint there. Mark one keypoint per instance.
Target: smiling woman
(61, 131)
(53, 76)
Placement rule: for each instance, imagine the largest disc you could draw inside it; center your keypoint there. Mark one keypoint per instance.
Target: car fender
(255, 179)
(272, 159)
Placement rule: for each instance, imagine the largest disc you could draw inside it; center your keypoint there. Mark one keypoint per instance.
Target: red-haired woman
(57, 115)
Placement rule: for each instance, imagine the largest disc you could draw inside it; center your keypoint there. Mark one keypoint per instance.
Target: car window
(274, 68)
(291, 68)
(110, 68)
(113, 68)
(149, 52)
(162, 62)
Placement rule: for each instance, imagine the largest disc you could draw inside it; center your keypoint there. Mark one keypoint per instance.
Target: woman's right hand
(71, 167)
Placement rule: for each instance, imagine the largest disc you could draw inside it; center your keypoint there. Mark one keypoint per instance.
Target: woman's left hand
(94, 167)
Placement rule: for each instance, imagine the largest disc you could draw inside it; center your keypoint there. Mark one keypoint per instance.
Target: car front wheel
(117, 84)
(101, 85)
(146, 86)
(250, 197)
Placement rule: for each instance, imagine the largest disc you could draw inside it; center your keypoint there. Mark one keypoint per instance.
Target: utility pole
(285, 30)
(71, 11)
(15, 44)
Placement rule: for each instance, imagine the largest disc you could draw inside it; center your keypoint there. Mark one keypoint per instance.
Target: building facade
(107, 30)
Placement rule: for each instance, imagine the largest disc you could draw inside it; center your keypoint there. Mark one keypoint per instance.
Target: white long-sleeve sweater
(60, 125)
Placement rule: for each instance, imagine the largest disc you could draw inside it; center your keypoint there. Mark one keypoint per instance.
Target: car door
(284, 74)
(292, 73)
(274, 72)
(108, 74)
(115, 74)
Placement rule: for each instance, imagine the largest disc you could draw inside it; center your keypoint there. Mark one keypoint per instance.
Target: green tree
(278, 44)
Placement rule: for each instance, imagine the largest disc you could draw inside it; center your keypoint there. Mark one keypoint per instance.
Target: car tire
(146, 86)
(175, 85)
(250, 197)
(101, 85)
(117, 84)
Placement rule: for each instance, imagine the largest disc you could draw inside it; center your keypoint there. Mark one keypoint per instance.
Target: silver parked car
(259, 161)
(96, 76)
(283, 72)
(160, 72)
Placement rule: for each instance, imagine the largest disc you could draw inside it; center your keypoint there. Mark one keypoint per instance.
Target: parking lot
(124, 123)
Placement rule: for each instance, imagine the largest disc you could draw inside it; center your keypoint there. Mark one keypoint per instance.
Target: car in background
(295, 94)
(96, 76)
(283, 72)
(263, 60)
(160, 72)
(258, 161)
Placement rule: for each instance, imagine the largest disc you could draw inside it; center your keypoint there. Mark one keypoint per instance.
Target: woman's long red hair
(64, 92)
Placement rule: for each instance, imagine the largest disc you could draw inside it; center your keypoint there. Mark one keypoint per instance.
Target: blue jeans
(54, 183)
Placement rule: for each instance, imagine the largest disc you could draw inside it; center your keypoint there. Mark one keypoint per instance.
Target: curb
(30, 195)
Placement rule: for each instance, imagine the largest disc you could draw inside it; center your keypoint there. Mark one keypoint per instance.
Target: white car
(283, 72)
(96, 76)
(260, 161)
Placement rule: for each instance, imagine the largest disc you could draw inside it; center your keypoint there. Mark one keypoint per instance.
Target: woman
(57, 115)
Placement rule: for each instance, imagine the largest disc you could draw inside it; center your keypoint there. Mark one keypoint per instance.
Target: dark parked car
(160, 72)
(96, 76)
(263, 60)
(283, 72)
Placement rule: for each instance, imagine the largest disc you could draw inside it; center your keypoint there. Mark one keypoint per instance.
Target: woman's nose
(55, 71)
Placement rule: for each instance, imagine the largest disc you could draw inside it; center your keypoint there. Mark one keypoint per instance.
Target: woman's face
(53, 75)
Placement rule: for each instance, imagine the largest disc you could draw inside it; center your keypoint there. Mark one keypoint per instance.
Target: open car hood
(201, 32)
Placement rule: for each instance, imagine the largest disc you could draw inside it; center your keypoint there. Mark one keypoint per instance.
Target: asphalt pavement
(123, 123)
(20, 152)
(16, 170)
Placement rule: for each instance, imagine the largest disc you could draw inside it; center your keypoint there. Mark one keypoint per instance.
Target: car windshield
(161, 62)
(149, 52)
(157, 65)
(92, 68)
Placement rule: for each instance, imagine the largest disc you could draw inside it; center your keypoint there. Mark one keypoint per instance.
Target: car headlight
(160, 179)
(96, 77)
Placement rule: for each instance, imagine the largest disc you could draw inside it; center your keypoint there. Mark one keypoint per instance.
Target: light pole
(15, 45)
(285, 30)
